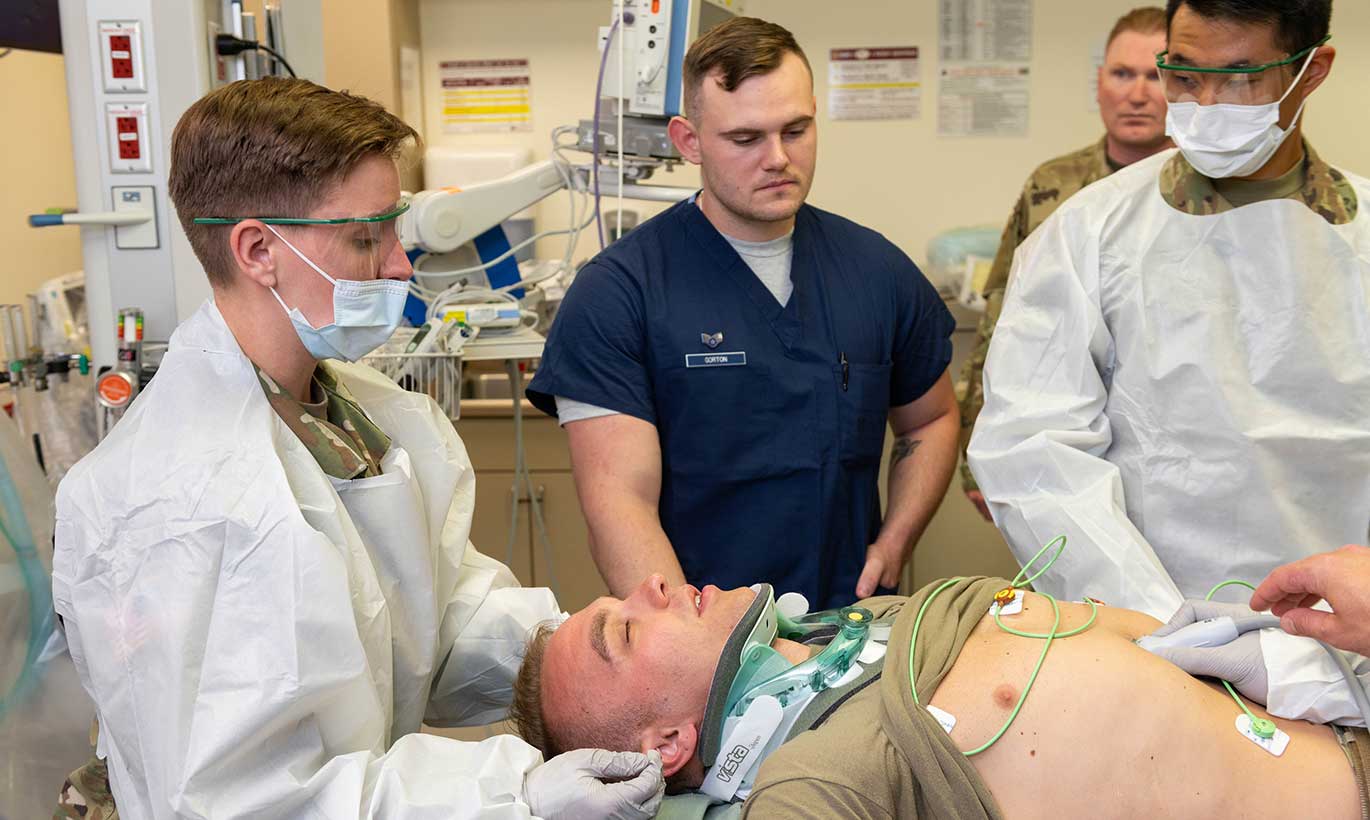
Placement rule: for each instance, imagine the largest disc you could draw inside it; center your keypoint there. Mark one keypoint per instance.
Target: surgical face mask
(1228, 140)
(365, 314)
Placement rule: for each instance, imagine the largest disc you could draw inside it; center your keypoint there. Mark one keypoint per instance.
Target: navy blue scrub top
(771, 419)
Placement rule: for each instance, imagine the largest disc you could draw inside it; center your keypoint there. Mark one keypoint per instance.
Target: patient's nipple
(1005, 696)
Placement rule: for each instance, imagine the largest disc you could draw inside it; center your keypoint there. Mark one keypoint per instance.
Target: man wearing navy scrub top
(725, 372)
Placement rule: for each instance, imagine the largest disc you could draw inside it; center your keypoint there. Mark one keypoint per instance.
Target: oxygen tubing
(36, 581)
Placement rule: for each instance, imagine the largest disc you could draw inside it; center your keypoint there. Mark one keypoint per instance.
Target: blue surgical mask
(365, 314)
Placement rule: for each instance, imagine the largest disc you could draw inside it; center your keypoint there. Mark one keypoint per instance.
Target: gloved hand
(572, 786)
(1240, 662)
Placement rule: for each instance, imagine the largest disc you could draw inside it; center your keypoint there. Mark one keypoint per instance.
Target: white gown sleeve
(1304, 682)
(232, 682)
(1039, 444)
(487, 624)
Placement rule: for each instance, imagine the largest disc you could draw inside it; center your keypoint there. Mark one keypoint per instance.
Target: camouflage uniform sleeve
(972, 371)
(86, 794)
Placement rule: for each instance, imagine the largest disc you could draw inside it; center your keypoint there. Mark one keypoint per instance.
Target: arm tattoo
(902, 449)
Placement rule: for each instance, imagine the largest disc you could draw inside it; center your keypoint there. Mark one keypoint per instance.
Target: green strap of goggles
(1254, 69)
(290, 220)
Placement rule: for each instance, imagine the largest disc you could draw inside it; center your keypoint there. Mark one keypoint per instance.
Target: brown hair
(600, 727)
(1143, 20)
(269, 147)
(742, 47)
(526, 710)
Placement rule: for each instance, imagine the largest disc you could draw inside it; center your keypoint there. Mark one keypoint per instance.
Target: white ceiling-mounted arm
(444, 219)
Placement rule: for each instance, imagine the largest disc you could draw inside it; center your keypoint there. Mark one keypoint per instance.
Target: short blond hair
(1143, 20)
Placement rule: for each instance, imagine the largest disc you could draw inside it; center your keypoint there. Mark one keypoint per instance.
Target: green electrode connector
(1260, 727)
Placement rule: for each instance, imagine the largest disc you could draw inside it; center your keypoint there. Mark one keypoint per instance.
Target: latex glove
(1240, 663)
(1341, 578)
(571, 786)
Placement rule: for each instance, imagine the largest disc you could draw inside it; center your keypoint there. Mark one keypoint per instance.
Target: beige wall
(35, 173)
(362, 40)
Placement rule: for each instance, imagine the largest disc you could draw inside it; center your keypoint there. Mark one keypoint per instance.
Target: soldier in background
(1133, 110)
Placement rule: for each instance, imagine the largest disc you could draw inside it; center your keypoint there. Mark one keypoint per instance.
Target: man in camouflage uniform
(1179, 380)
(1133, 110)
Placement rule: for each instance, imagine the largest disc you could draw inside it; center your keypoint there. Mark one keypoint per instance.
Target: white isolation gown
(262, 640)
(1186, 397)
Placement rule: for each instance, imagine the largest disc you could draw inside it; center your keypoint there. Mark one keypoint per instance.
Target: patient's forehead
(576, 684)
(571, 655)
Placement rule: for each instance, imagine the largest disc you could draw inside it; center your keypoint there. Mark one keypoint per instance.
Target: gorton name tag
(737, 357)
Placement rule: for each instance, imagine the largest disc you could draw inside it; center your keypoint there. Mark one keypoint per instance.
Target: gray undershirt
(769, 260)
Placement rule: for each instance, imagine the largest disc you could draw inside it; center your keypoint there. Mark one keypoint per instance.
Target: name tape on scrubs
(733, 359)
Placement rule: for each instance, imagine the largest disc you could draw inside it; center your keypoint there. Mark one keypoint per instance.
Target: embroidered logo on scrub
(733, 359)
(713, 340)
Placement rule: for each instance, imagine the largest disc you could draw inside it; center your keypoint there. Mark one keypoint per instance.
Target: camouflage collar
(1099, 159)
(1325, 189)
(346, 444)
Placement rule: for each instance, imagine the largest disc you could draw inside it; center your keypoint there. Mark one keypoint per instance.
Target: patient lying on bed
(1107, 729)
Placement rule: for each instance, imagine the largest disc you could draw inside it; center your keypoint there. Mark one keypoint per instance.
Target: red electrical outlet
(121, 56)
(126, 131)
(130, 151)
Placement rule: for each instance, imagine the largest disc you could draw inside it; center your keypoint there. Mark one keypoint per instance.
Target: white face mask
(1227, 140)
(365, 314)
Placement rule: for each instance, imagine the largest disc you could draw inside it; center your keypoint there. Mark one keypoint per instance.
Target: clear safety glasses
(355, 247)
(1241, 85)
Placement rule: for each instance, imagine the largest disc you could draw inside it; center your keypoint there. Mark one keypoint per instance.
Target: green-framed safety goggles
(294, 220)
(352, 247)
(1238, 85)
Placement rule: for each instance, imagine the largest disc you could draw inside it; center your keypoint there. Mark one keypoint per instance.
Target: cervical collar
(757, 628)
(757, 695)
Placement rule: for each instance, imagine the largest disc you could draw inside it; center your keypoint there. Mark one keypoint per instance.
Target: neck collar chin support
(758, 627)
(755, 689)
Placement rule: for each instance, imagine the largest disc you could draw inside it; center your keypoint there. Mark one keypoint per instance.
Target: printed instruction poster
(486, 95)
(983, 100)
(985, 30)
(874, 83)
(1096, 64)
(984, 81)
